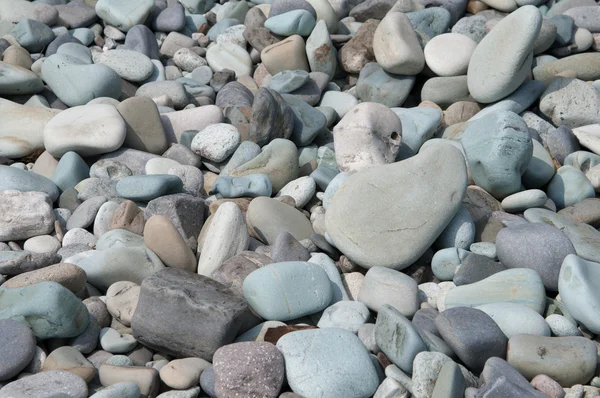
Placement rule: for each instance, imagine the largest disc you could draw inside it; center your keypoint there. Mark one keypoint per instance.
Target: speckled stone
(248, 369)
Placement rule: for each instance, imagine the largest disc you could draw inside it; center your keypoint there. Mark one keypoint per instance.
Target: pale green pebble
(126, 389)
(445, 262)
(524, 200)
(119, 238)
(569, 186)
(295, 22)
(119, 360)
(84, 35)
(487, 249)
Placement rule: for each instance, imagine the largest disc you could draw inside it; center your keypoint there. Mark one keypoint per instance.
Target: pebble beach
(299, 199)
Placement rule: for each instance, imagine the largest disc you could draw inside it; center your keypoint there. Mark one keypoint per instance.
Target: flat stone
(69, 359)
(267, 218)
(472, 334)
(449, 54)
(516, 319)
(278, 291)
(115, 342)
(87, 130)
(68, 275)
(376, 85)
(141, 39)
(162, 319)
(18, 348)
(525, 24)
(248, 369)
(148, 187)
(47, 385)
(85, 213)
(288, 54)
(534, 355)
(345, 368)
(147, 379)
(184, 373)
(474, 268)
(51, 310)
(363, 246)
(14, 179)
(129, 65)
(383, 286)
(429, 23)
(123, 16)
(229, 56)
(555, 102)
(392, 327)
(444, 91)
(569, 186)
(18, 262)
(520, 285)
(105, 267)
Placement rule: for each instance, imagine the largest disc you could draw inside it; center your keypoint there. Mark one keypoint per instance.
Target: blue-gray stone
(234, 94)
(59, 41)
(192, 23)
(119, 238)
(333, 186)
(84, 35)
(474, 268)
(207, 382)
(569, 186)
(147, 187)
(308, 121)
(473, 336)
(540, 169)
(76, 50)
(578, 288)
(48, 384)
(323, 176)
(561, 142)
(349, 315)
(328, 265)
(171, 19)
(126, 389)
(187, 137)
(459, 233)
(329, 362)
(141, 39)
(518, 101)
(456, 8)
(376, 85)
(77, 83)
(282, 6)
(17, 348)
(295, 22)
(392, 328)
(220, 27)
(71, 169)
(430, 22)
(76, 14)
(286, 81)
(538, 246)
(498, 148)
(196, 89)
(251, 185)
(289, 290)
(418, 125)
(87, 341)
(516, 319)
(51, 310)
(197, 6)
(565, 30)
(520, 285)
(105, 267)
(247, 151)
(18, 81)
(12, 178)
(582, 160)
(32, 35)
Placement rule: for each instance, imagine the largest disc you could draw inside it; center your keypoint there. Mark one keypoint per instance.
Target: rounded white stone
(160, 165)
(301, 189)
(449, 54)
(88, 130)
(42, 244)
(216, 142)
(396, 46)
(229, 56)
(129, 65)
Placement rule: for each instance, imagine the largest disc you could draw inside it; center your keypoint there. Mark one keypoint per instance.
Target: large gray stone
(380, 207)
(186, 315)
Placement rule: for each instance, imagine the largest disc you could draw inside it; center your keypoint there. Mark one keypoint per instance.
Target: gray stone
(538, 246)
(140, 38)
(475, 268)
(186, 314)
(383, 286)
(472, 334)
(248, 369)
(430, 22)
(376, 85)
(287, 248)
(17, 348)
(516, 319)
(348, 315)
(85, 213)
(49, 384)
(391, 328)
(369, 248)
(271, 118)
(25, 214)
(12, 178)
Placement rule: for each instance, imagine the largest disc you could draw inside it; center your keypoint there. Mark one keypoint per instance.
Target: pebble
(129, 65)
(569, 186)
(161, 236)
(449, 54)
(516, 319)
(184, 373)
(47, 384)
(382, 286)
(366, 247)
(248, 369)
(534, 355)
(24, 214)
(277, 292)
(345, 368)
(216, 142)
(18, 348)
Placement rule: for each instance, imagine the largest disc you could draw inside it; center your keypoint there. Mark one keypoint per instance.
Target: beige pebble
(352, 282)
(70, 276)
(161, 236)
(69, 359)
(183, 373)
(121, 300)
(147, 379)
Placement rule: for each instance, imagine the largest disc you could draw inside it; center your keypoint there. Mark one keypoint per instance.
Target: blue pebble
(147, 187)
(251, 185)
(12, 178)
(71, 169)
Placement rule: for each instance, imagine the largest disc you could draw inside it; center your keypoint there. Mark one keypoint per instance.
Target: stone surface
(18, 348)
(344, 366)
(408, 223)
(47, 385)
(162, 319)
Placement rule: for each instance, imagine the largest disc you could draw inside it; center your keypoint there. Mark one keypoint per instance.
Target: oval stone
(503, 58)
(289, 290)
